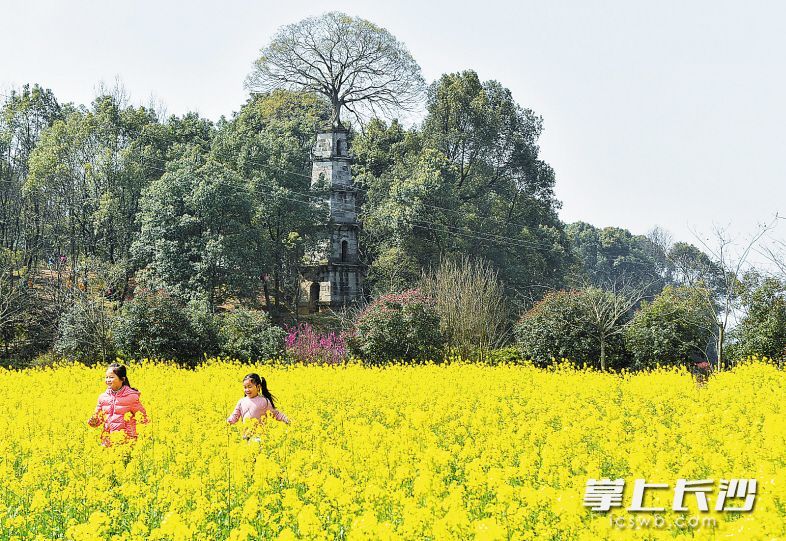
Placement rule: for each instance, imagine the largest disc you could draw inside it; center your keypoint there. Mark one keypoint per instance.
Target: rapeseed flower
(436, 451)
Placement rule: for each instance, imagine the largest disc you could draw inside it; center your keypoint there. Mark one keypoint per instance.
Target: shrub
(675, 328)
(560, 327)
(398, 326)
(304, 344)
(249, 335)
(204, 325)
(84, 332)
(468, 297)
(32, 328)
(156, 325)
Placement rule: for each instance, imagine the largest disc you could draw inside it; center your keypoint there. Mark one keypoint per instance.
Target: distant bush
(675, 328)
(154, 324)
(31, 329)
(249, 335)
(305, 344)
(205, 326)
(85, 332)
(398, 326)
(470, 302)
(558, 327)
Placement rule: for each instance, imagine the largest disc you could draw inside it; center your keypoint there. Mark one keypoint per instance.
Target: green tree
(690, 266)
(675, 328)
(268, 143)
(86, 178)
(502, 191)
(762, 329)
(394, 214)
(470, 183)
(24, 116)
(196, 233)
(155, 324)
(611, 255)
(391, 251)
(184, 134)
(249, 335)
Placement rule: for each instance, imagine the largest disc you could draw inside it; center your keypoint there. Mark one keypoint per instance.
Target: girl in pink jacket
(118, 405)
(257, 402)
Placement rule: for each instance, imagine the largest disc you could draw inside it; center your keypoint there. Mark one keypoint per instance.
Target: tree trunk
(721, 332)
(124, 291)
(336, 120)
(277, 290)
(603, 354)
(267, 296)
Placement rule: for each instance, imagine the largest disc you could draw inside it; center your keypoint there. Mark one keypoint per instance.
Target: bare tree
(732, 262)
(352, 62)
(775, 252)
(471, 304)
(11, 307)
(608, 310)
(348, 314)
(85, 331)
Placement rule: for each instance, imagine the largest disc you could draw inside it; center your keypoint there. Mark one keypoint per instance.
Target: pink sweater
(255, 408)
(112, 407)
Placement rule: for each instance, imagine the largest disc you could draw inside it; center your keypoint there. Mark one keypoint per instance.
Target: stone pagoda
(332, 275)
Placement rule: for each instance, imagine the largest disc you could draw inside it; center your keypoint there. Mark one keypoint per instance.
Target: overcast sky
(665, 113)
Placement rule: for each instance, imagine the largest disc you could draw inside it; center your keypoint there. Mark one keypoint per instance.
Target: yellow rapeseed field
(455, 451)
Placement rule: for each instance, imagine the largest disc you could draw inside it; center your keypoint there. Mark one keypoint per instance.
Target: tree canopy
(355, 64)
(470, 182)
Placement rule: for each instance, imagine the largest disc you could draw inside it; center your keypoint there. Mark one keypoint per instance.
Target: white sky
(663, 113)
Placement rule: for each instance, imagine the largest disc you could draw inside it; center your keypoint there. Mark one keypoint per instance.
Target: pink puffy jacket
(112, 408)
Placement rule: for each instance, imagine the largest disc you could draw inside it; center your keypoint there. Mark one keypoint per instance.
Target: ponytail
(260, 382)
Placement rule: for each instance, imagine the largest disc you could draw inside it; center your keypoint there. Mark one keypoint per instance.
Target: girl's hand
(94, 422)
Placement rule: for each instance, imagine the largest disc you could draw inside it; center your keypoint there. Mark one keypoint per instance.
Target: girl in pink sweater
(118, 406)
(257, 402)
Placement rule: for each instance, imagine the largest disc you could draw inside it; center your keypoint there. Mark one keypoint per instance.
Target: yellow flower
(441, 451)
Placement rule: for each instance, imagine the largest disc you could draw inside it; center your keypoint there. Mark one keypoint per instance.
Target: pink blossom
(304, 344)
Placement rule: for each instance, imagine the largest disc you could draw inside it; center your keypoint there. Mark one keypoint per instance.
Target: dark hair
(260, 382)
(120, 371)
